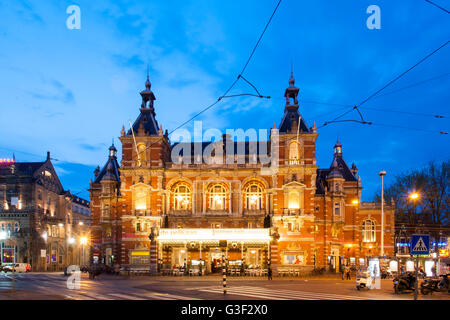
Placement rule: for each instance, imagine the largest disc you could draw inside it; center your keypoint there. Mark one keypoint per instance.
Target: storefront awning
(239, 235)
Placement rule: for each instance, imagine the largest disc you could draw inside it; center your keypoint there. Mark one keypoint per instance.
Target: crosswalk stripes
(263, 293)
(126, 296)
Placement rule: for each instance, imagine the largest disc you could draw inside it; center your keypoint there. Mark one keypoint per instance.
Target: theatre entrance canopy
(214, 236)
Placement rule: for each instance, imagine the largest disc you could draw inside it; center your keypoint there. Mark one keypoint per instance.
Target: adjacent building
(38, 222)
(165, 204)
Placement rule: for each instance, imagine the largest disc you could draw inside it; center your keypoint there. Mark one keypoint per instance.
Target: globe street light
(382, 174)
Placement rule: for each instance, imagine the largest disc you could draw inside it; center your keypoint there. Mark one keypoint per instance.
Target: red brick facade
(315, 215)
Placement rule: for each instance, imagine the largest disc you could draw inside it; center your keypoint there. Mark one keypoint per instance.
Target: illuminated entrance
(246, 248)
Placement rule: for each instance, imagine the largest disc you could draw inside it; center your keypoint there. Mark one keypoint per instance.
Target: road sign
(420, 244)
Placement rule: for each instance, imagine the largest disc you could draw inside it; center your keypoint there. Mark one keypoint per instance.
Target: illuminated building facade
(297, 216)
(37, 222)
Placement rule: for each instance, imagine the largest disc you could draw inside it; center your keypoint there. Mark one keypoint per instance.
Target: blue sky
(70, 91)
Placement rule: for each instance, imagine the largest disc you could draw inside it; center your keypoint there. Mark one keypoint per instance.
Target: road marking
(125, 296)
(284, 294)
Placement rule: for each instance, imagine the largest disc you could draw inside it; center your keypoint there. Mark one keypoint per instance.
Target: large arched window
(140, 198)
(294, 200)
(253, 197)
(217, 197)
(181, 197)
(368, 231)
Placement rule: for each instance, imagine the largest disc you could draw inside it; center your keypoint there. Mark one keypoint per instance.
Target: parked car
(363, 280)
(18, 267)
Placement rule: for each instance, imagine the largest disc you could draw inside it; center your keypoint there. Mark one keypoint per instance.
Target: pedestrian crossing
(124, 296)
(278, 294)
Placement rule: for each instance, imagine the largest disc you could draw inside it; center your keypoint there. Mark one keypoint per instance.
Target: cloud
(55, 91)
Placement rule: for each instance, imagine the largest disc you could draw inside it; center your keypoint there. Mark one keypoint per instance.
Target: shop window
(252, 258)
(293, 258)
(368, 231)
(181, 197)
(253, 197)
(217, 197)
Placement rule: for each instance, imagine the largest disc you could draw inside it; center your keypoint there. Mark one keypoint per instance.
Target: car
(18, 267)
(363, 280)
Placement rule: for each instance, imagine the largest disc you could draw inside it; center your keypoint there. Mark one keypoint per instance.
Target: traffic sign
(420, 244)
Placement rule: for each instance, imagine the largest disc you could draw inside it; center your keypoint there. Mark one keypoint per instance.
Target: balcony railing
(179, 212)
(260, 212)
(141, 213)
(292, 212)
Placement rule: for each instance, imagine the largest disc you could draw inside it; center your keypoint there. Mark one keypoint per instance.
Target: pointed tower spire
(148, 85)
(338, 148)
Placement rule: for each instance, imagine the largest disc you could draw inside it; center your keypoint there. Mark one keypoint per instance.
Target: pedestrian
(269, 274)
(348, 273)
(117, 269)
(342, 271)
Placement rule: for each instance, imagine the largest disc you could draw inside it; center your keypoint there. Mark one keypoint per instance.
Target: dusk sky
(70, 91)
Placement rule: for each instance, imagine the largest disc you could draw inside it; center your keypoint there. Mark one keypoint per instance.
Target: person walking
(347, 271)
(269, 274)
(342, 271)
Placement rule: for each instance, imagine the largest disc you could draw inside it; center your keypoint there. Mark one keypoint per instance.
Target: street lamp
(382, 174)
(414, 196)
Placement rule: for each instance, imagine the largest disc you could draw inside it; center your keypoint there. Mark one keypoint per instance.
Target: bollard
(224, 274)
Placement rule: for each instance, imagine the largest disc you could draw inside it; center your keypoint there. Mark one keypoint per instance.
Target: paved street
(53, 286)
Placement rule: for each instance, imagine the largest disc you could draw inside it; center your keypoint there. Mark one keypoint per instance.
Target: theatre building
(165, 206)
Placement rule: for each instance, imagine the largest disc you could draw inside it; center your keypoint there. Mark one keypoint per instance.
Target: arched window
(368, 231)
(253, 197)
(142, 152)
(140, 198)
(217, 197)
(294, 152)
(294, 200)
(181, 197)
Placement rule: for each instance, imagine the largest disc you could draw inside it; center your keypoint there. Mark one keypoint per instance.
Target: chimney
(48, 155)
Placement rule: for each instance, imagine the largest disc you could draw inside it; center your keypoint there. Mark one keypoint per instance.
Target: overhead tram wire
(434, 4)
(224, 95)
(437, 116)
(384, 87)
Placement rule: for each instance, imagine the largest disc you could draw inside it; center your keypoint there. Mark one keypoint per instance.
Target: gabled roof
(110, 170)
(34, 170)
(146, 120)
(290, 115)
(343, 168)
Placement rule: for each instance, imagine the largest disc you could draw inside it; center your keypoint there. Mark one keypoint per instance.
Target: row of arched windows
(217, 195)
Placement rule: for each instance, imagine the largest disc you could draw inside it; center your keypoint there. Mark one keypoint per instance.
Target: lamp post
(382, 174)
(414, 196)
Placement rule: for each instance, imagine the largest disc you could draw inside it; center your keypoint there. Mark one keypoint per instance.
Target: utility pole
(382, 174)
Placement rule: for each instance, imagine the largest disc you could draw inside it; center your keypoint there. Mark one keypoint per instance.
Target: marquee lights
(213, 234)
